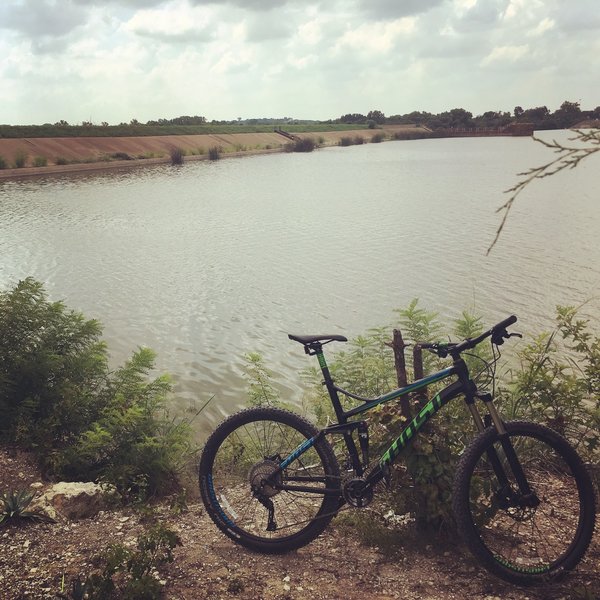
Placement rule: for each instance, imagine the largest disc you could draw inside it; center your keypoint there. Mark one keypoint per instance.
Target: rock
(74, 500)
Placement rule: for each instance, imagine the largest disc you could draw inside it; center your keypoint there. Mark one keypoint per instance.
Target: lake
(211, 260)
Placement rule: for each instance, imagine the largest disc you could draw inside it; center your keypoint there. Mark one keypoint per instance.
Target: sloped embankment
(72, 154)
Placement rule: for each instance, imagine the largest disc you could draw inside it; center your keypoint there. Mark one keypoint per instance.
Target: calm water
(211, 260)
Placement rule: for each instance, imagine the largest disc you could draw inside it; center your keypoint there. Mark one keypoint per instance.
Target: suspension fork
(509, 451)
(470, 395)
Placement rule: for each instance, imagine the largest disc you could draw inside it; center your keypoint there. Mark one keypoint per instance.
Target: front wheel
(266, 483)
(525, 538)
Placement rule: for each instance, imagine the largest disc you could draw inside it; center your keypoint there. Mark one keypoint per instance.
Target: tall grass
(176, 155)
(3, 163)
(214, 153)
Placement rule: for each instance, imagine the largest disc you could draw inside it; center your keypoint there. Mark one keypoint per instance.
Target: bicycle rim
(552, 532)
(248, 450)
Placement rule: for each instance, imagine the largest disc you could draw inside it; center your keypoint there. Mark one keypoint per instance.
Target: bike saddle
(310, 339)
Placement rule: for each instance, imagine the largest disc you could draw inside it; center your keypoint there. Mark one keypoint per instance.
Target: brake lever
(519, 335)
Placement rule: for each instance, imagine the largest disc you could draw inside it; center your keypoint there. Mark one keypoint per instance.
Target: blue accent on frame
(303, 447)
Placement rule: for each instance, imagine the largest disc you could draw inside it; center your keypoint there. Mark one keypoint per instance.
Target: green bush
(59, 399)
(20, 159)
(558, 383)
(40, 161)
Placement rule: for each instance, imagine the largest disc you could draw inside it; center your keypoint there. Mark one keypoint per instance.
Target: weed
(346, 141)
(61, 160)
(235, 586)
(40, 161)
(306, 144)
(3, 164)
(377, 138)
(177, 155)
(214, 153)
(20, 159)
(129, 573)
(121, 156)
(359, 140)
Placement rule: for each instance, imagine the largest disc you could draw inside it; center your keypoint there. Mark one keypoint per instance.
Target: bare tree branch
(568, 158)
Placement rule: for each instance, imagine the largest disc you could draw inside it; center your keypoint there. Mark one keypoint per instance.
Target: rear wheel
(251, 497)
(525, 539)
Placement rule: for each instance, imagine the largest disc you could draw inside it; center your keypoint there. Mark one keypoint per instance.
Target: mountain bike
(522, 497)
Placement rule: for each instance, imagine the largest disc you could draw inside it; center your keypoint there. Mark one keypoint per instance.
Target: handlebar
(497, 332)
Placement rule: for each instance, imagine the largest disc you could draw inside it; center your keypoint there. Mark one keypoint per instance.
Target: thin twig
(568, 158)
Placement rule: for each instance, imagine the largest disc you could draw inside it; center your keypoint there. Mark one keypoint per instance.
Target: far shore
(83, 154)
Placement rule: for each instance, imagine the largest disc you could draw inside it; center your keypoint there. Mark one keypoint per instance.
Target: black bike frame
(463, 386)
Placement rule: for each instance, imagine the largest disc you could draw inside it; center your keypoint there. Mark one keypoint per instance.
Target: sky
(114, 61)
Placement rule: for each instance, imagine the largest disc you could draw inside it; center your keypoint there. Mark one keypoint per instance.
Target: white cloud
(508, 54)
(147, 59)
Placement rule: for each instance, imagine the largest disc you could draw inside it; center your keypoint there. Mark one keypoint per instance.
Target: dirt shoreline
(85, 154)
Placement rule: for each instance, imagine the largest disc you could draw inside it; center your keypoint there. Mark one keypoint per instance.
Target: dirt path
(36, 558)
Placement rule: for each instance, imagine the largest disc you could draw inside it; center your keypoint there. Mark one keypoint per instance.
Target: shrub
(20, 159)
(40, 161)
(214, 153)
(121, 156)
(84, 422)
(549, 387)
(176, 155)
(130, 573)
(305, 144)
(359, 140)
(377, 138)
(3, 163)
(61, 160)
(346, 141)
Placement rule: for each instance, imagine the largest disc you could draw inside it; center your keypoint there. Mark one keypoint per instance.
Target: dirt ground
(40, 559)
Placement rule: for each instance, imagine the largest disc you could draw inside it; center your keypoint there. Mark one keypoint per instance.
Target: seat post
(316, 348)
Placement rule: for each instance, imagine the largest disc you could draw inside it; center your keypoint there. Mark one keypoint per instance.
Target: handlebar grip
(504, 324)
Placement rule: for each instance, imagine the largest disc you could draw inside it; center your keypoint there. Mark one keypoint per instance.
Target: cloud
(173, 23)
(395, 9)
(42, 18)
(506, 54)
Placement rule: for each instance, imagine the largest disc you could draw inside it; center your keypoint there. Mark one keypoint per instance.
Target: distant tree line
(568, 115)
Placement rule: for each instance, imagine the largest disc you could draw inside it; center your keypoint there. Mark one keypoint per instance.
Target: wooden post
(420, 396)
(398, 346)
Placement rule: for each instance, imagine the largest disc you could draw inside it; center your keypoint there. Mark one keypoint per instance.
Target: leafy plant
(261, 391)
(14, 506)
(83, 422)
(129, 574)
